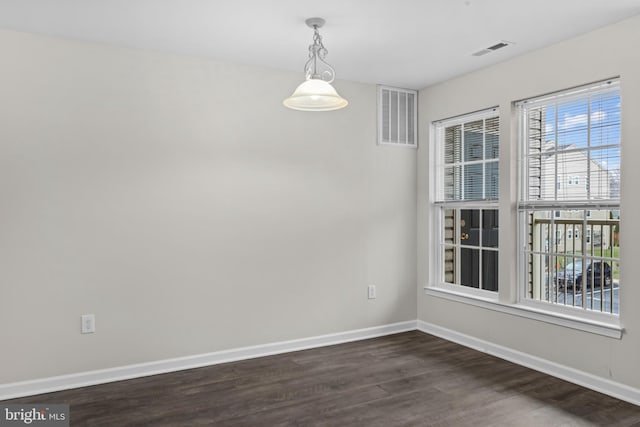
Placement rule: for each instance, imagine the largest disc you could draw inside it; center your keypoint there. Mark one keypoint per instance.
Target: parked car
(598, 273)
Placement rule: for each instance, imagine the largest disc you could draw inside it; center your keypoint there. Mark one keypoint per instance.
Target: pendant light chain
(317, 52)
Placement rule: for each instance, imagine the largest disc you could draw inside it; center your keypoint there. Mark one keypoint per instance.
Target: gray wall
(176, 199)
(608, 52)
(180, 202)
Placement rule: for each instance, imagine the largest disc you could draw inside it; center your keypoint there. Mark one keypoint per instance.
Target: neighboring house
(577, 178)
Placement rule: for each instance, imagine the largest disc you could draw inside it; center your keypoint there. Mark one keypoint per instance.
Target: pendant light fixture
(316, 92)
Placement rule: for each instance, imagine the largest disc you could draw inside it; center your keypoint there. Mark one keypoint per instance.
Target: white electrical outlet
(88, 323)
(371, 291)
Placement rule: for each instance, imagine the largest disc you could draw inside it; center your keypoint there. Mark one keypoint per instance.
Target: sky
(567, 122)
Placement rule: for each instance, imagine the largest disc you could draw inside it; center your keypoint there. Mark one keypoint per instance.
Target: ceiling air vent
(492, 48)
(498, 46)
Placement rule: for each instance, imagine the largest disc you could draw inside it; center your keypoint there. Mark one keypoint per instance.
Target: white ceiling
(405, 43)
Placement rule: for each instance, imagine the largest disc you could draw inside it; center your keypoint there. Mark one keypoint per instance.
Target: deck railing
(574, 262)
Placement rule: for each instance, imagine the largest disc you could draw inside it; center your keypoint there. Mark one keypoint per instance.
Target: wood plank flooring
(408, 379)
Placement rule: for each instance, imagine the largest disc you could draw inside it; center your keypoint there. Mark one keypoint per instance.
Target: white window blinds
(468, 154)
(571, 149)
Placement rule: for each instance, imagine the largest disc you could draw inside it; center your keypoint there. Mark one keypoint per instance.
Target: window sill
(599, 327)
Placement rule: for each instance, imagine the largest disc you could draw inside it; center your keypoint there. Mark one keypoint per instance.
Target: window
(397, 116)
(465, 199)
(571, 136)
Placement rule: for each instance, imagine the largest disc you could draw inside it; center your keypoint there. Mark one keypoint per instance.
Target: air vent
(481, 52)
(397, 116)
(501, 44)
(498, 46)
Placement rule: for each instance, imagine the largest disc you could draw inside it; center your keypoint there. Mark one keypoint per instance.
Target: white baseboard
(602, 385)
(83, 379)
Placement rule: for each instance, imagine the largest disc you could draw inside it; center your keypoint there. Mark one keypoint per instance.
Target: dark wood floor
(408, 379)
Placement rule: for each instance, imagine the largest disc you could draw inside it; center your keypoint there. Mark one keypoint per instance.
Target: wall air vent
(501, 44)
(397, 116)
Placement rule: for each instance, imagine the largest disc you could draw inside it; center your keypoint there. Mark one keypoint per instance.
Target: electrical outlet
(371, 291)
(88, 323)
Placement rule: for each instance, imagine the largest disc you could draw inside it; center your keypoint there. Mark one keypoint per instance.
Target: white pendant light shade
(315, 95)
(316, 92)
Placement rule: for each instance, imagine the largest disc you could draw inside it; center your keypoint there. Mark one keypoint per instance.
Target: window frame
(439, 205)
(508, 299)
(609, 320)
